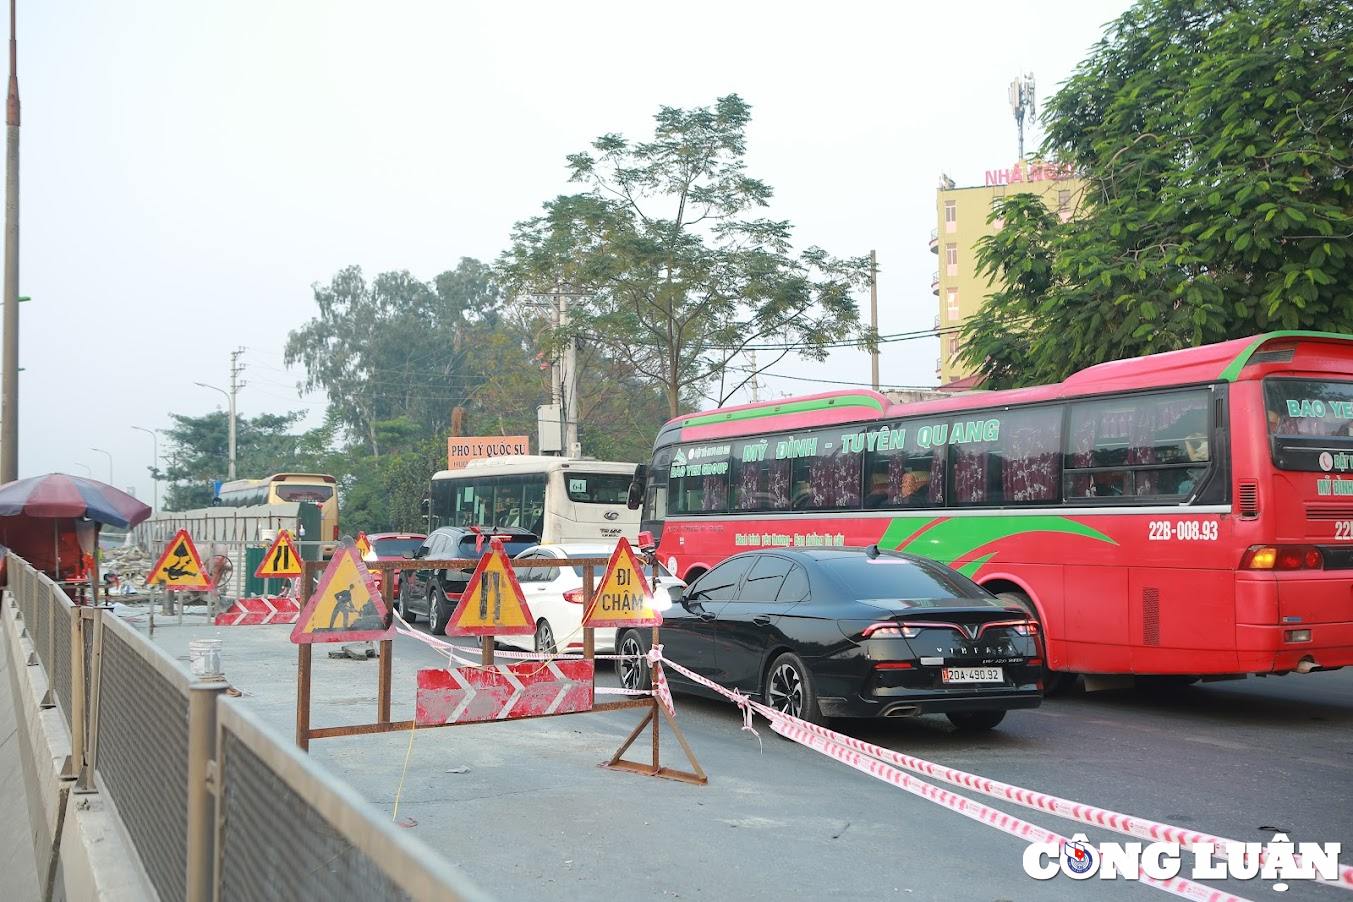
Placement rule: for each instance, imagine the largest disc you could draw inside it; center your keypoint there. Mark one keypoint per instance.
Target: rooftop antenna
(1021, 102)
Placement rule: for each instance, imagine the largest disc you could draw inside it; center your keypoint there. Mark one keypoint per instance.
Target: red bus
(1185, 515)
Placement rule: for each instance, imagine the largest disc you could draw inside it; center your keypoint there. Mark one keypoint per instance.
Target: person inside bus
(1195, 446)
(1105, 484)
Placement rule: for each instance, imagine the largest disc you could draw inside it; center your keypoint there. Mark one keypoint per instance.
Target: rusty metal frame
(305, 660)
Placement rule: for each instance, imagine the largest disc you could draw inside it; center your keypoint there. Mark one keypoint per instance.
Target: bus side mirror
(636, 495)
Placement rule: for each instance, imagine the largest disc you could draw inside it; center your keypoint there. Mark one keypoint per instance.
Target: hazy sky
(190, 169)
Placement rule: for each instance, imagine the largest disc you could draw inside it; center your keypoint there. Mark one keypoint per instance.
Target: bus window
(1134, 446)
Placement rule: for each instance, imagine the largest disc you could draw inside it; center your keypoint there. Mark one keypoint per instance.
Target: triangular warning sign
(623, 598)
(282, 559)
(363, 545)
(492, 604)
(180, 567)
(346, 605)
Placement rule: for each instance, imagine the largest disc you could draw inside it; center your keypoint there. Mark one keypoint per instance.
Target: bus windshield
(598, 488)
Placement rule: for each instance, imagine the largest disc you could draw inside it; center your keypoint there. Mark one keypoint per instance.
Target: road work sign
(346, 605)
(180, 567)
(493, 604)
(623, 598)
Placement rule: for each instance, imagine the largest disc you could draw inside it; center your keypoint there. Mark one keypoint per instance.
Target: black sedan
(847, 632)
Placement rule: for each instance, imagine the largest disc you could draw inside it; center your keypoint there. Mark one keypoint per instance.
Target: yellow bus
(284, 488)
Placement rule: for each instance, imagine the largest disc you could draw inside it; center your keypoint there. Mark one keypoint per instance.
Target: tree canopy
(670, 275)
(1215, 142)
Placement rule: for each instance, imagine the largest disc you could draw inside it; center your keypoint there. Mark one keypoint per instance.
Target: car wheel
(632, 666)
(436, 613)
(405, 611)
(972, 721)
(789, 689)
(1055, 682)
(545, 639)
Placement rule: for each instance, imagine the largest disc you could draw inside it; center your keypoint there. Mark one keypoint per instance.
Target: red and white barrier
(251, 611)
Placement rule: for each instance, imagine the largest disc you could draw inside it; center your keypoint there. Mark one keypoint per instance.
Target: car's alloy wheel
(789, 688)
(632, 667)
(405, 611)
(545, 639)
(436, 614)
(971, 721)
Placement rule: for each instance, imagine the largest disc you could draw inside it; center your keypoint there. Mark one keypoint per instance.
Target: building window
(1063, 200)
(951, 216)
(953, 347)
(951, 258)
(952, 306)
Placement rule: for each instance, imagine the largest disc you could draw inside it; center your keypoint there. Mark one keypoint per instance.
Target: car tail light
(888, 630)
(1018, 627)
(1282, 557)
(574, 596)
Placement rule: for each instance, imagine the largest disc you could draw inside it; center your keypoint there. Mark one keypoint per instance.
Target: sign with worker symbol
(346, 606)
(623, 598)
(363, 545)
(282, 559)
(492, 604)
(180, 567)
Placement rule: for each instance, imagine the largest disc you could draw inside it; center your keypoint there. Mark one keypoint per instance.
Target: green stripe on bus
(787, 407)
(951, 539)
(970, 569)
(1232, 371)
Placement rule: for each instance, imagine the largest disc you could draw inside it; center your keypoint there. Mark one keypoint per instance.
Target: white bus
(560, 499)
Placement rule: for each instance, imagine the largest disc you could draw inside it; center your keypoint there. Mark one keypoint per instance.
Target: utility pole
(564, 384)
(874, 311)
(235, 385)
(9, 394)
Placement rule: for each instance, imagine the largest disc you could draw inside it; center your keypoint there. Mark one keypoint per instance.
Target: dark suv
(435, 593)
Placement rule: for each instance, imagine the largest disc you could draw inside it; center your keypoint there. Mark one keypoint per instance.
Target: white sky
(190, 169)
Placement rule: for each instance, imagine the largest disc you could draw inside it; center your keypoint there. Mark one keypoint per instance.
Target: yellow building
(961, 214)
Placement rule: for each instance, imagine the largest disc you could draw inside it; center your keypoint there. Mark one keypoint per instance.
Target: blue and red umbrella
(59, 495)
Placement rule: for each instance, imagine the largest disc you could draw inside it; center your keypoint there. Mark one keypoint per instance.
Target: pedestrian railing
(214, 803)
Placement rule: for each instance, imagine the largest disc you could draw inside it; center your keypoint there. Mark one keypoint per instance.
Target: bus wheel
(631, 666)
(1055, 682)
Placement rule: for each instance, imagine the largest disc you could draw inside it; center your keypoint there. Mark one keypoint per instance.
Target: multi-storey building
(963, 216)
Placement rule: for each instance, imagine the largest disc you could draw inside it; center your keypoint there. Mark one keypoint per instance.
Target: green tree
(670, 275)
(398, 347)
(198, 453)
(1215, 140)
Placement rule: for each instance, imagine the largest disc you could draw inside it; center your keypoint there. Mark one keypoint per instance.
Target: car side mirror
(674, 593)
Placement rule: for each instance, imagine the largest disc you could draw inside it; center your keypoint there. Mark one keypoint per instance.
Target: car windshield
(896, 579)
(513, 545)
(395, 547)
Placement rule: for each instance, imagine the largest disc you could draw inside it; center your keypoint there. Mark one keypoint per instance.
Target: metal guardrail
(200, 784)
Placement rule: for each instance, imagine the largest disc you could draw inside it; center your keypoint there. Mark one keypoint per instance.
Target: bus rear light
(1282, 557)
(335, 532)
(1297, 636)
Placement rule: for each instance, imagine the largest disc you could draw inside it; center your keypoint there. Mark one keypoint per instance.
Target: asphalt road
(524, 808)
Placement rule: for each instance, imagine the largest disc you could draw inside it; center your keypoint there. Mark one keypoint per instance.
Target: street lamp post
(110, 463)
(230, 467)
(87, 469)
(155, 464)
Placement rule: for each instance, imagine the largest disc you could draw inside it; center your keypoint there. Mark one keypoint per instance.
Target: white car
(554, 593)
